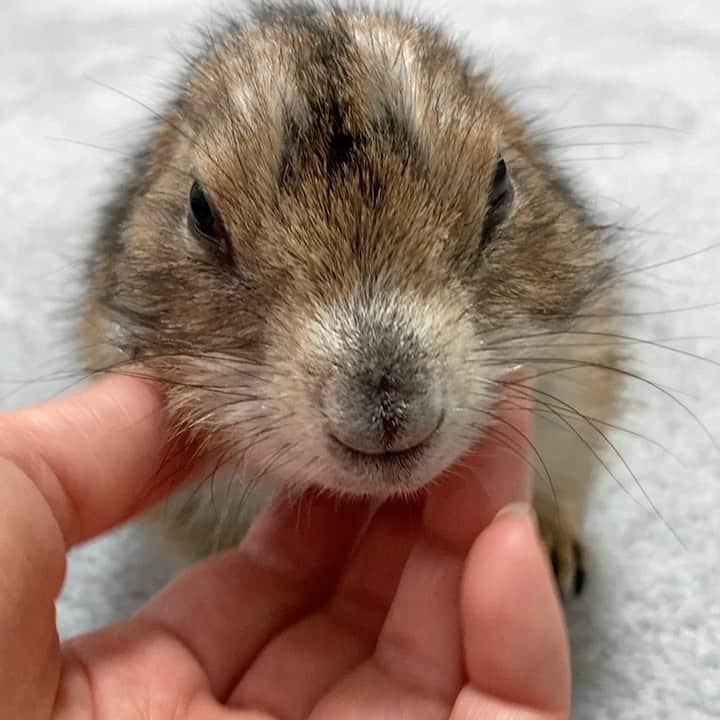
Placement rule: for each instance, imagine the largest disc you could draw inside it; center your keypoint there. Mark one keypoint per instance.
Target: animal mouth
(388, 458)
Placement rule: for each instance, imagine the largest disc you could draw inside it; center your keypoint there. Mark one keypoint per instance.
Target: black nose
(384, 401)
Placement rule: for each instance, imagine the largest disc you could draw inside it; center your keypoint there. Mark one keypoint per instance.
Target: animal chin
(387, 474)
(302, 455)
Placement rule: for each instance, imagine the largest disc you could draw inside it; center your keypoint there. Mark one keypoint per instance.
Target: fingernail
(519, 509)
(514, 373)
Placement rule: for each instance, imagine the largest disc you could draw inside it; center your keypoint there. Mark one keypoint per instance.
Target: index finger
(98, 455)
(496, 472)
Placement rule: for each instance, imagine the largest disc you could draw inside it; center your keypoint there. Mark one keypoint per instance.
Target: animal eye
(499, 199)
(501, 186)
(204, 220)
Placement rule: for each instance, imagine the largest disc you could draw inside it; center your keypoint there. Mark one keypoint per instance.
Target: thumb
(516, 646)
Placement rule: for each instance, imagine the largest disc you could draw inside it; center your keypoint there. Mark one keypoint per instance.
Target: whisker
(671, 261)
(617, 453)
(616, 125)
(175, 126)
(567, 364)
(616, 336)
(649, 313)
(536, 452)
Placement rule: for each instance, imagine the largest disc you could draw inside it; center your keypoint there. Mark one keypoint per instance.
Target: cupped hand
(329, 609)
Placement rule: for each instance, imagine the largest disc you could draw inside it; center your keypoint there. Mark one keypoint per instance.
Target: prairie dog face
(328, 245)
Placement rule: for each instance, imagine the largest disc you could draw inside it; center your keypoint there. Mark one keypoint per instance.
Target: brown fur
(350, 156)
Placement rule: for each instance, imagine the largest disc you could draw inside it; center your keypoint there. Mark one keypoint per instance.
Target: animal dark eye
(501, 186)
(205, 222)
(499, 199)
(202, 216)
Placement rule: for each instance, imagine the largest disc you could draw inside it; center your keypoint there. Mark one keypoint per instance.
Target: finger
(420, 642)
(32, 566)
(317, 652)
(227, 608)
(98, 455)
(495, 472)
(376, 689)
(332, 641)
(514, 637)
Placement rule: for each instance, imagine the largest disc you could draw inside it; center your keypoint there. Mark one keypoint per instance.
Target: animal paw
(565, 551)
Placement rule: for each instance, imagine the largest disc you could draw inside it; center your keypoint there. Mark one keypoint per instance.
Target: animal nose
(383, 413)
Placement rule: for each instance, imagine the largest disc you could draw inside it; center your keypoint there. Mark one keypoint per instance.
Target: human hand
(421, 610)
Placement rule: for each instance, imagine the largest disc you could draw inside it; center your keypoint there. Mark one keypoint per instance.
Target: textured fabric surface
(646, 634)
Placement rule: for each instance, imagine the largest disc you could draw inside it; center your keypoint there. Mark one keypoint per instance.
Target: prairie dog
(334, 246)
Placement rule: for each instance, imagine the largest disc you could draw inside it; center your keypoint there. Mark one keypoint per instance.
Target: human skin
(437, 608)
